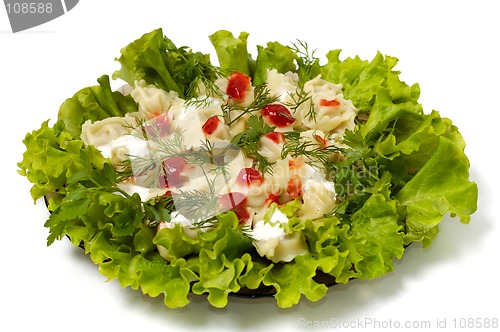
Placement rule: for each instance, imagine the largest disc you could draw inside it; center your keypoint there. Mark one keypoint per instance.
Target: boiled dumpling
(101, 132)
(333, 113)
(153, 101)
(282, 86)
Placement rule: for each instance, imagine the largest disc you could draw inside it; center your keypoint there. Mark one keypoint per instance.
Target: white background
(451, 48)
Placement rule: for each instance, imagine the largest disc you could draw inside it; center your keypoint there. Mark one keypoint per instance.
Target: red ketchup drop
(273, 198)
(173, 168)
(276, 137)
(294, 187)
(210, 126)
(169, 198)
(296, 162)
(329, 103)
(235, 202)
(157, 127)
(237, 86)
(321, 141)
(249, 176)
(278, 115)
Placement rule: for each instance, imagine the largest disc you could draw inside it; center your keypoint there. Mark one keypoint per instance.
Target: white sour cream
(263, 231)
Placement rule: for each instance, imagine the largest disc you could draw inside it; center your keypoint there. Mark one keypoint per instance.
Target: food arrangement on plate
(273, 175)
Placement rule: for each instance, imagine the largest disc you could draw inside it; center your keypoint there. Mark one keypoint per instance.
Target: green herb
(315, 152)
(299, 98)
(155, 59)
(308, 63)
(262, 97)
(248, 141)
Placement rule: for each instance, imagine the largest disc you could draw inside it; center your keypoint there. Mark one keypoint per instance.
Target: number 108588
(29, 8)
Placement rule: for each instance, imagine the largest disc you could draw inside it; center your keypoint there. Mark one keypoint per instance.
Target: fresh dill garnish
(208, 167)
(203, 89)
(192, 68)
(164, 146)
(248, 141)
(315, 152)
(299, 98)
(213, 154)
(200, 207)
(356, 175)
(150, 167)
(308, 63)
(262, 97)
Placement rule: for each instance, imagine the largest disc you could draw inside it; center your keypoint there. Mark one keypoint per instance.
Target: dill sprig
(248, 141)
(299, 98)
(308, 63)
(163, 146)
(204, 89)
(198, 206)
(316, 154)
(196, 69)
(211, 153)
(262, 97)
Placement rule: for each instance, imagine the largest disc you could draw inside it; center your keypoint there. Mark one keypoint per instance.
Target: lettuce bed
(403, 171)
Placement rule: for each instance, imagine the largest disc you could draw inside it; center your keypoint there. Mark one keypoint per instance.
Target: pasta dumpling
(281, 85)
(189, 121)
(245, 95)
(101, 132)
(333, 113)
(151, 100)
(317, 201)
(271, 145)
(272, 242)
(283, 249)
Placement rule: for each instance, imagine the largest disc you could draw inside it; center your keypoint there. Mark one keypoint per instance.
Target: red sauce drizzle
(321, 140)
(329, 103)
(294, 187)
(278, 115)
(235, 202)
(210, 125)
(237, 86)
(276, 137)
(172, 168)
(249, 176)
(273, 198)
(157, 127)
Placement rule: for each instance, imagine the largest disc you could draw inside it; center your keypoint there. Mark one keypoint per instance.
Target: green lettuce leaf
(374, 88)
(150, 273)
(293, 279)
(217, 258)
(176, 241)
(222, 260)
(274, 56)
(94, 103)
(145, 59)
(232, 52)
(440, 187)
(376, 224)
(427, 157)
(155, 59)
(52, 158)
(334, 248)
